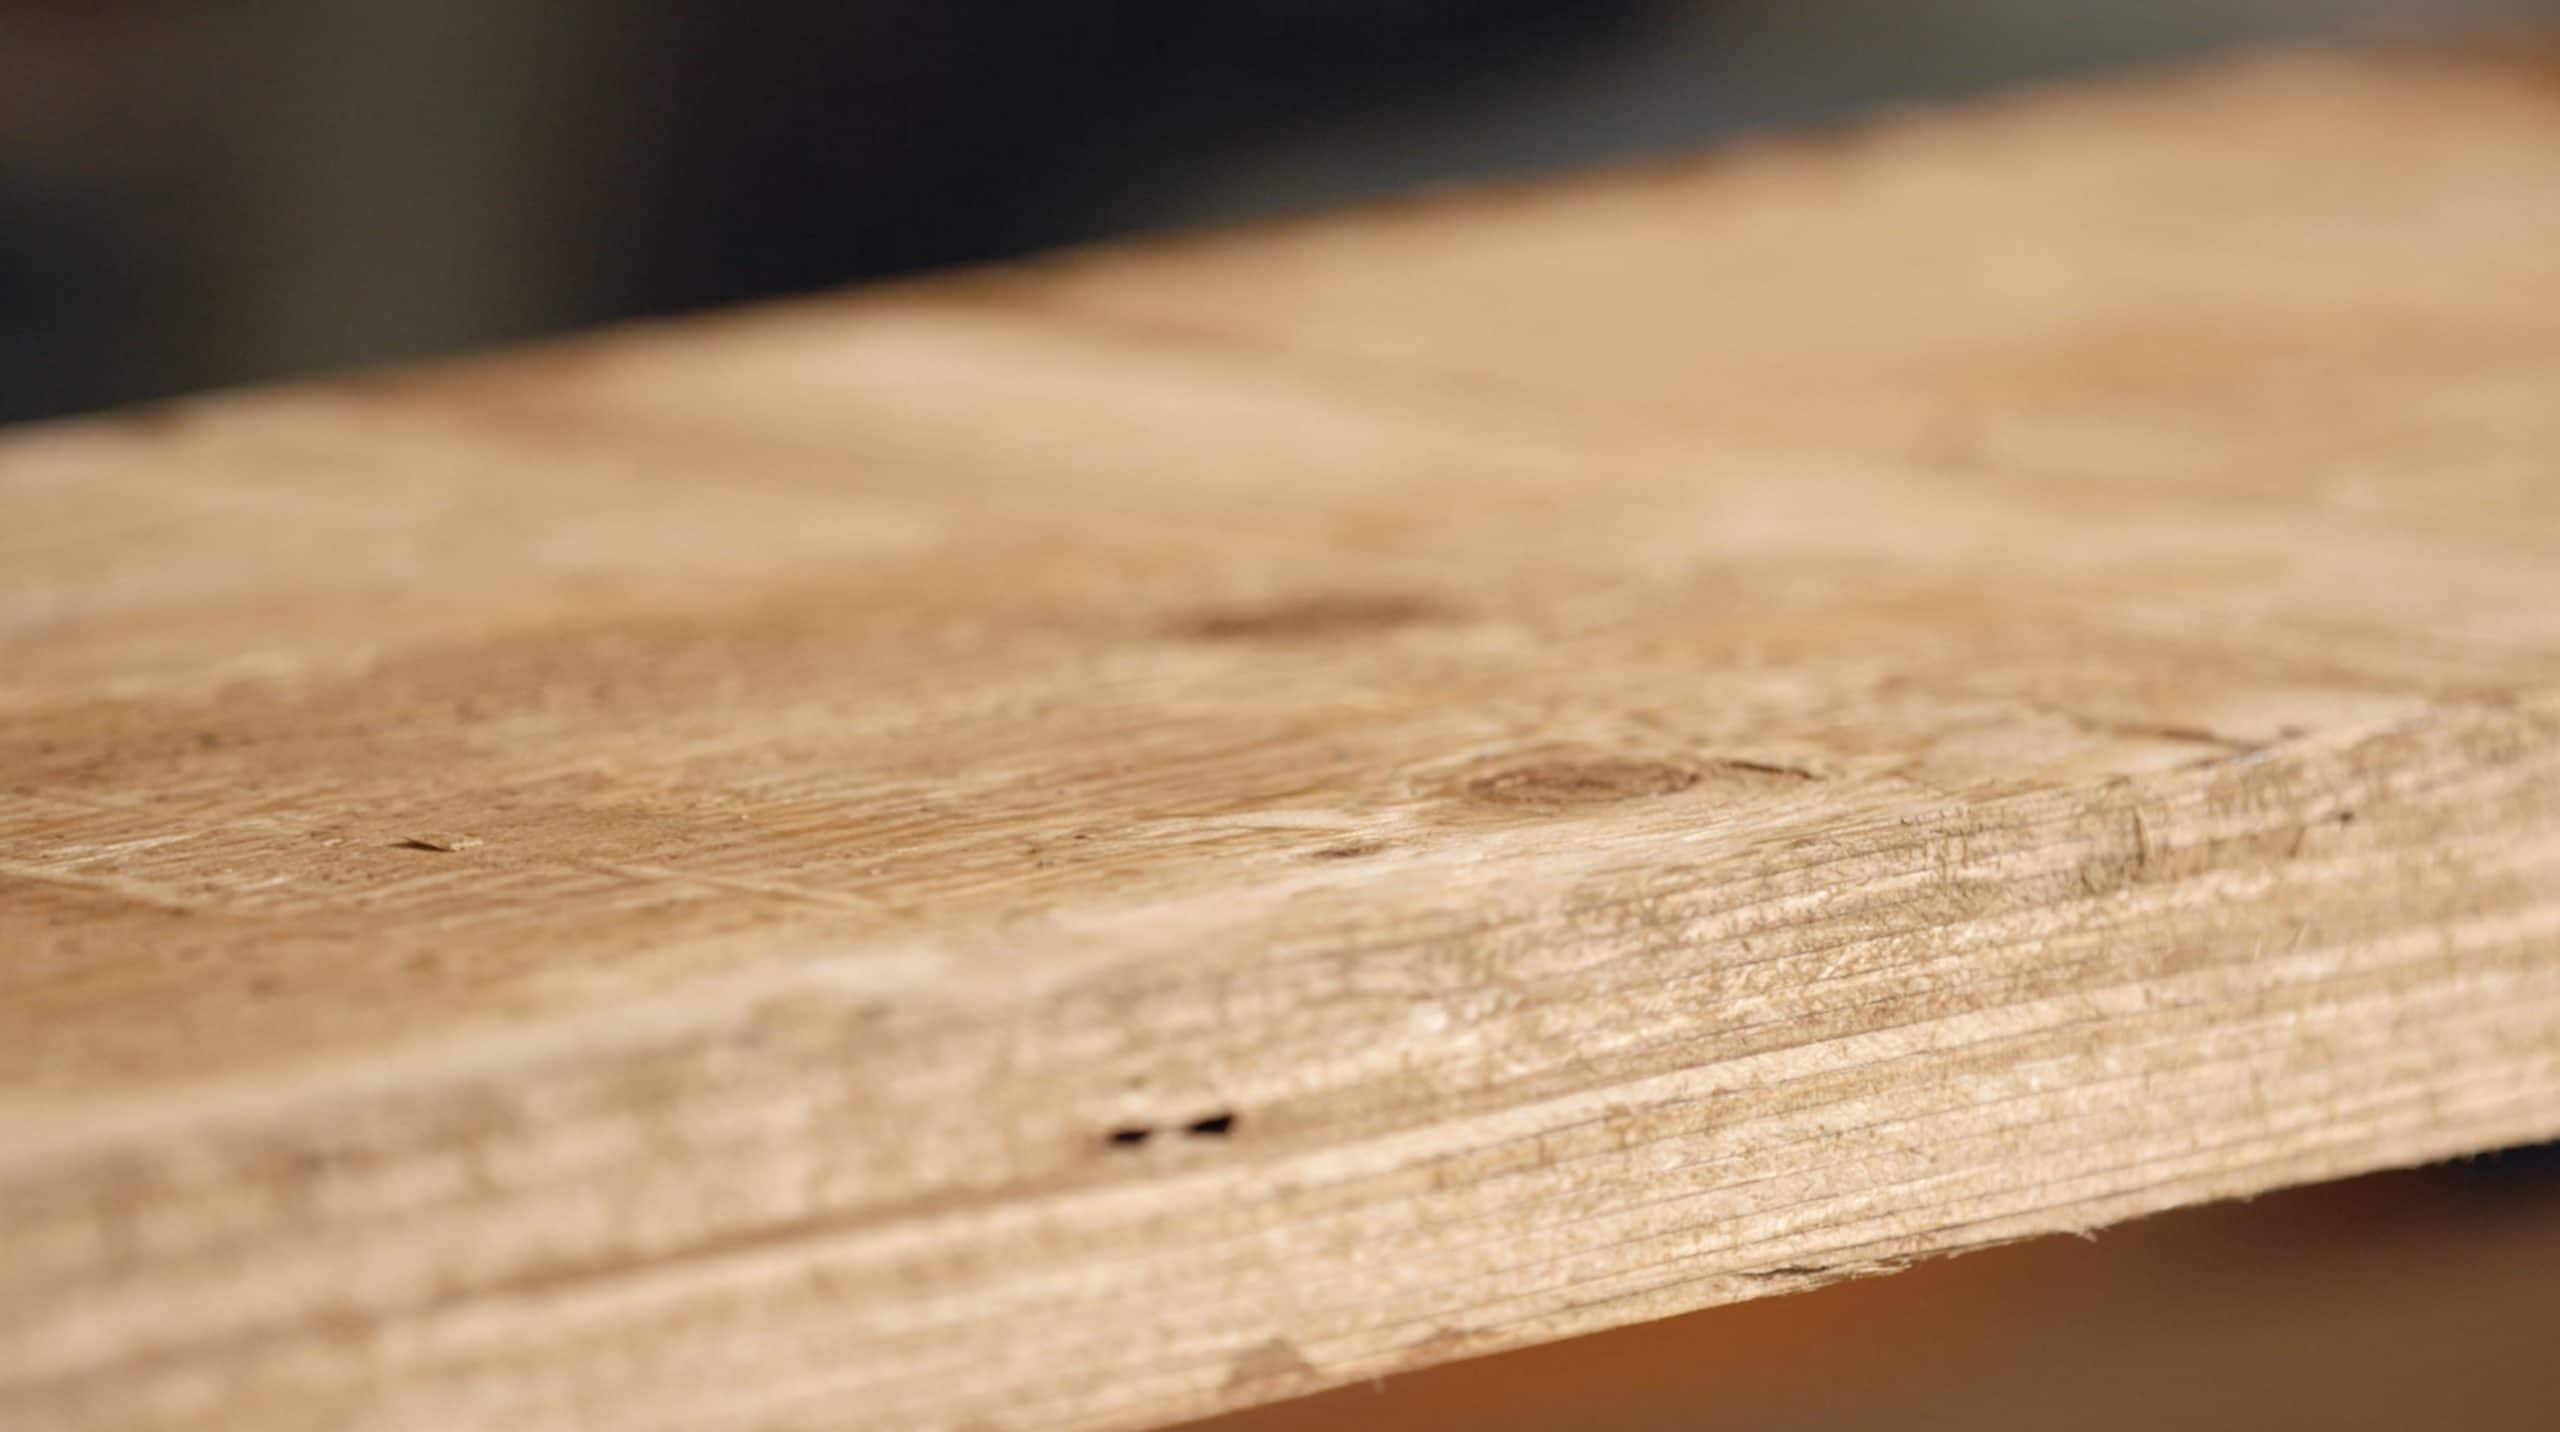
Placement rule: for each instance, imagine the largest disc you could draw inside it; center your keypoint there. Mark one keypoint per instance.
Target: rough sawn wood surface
(1084, 844)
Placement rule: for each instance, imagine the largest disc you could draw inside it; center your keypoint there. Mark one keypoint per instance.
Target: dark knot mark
(1215, 1126)
(1312, 618)
(437, 842)
(1581, 782)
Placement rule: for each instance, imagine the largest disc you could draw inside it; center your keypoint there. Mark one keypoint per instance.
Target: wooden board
(1090, 843)
(2419, 1298)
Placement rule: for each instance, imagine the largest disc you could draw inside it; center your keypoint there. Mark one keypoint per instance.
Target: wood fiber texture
(1091, 842)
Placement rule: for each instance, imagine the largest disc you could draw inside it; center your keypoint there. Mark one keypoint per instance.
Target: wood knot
(1592, 781)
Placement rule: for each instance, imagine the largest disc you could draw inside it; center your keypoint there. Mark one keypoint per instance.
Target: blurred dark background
(200, 193)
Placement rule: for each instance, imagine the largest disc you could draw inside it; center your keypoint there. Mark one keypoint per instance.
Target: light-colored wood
(2404, 1300)
(1091, 843)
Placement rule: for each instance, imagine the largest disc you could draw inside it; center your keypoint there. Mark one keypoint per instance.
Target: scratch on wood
(140, 892)
(776, 889)
(1768, 768)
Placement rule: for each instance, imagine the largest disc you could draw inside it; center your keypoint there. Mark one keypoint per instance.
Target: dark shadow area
(199, 195)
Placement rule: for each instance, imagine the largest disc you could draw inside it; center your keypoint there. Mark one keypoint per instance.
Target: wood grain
(1089, 843)
(2418, 1298)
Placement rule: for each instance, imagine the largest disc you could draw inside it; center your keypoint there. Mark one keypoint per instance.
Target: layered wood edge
(1387, 892)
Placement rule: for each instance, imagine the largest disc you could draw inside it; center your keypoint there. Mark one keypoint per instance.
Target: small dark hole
(1129, 1138)
(1213, 1127)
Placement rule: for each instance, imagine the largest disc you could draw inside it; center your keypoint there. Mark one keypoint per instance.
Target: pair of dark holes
(1216, 1126)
